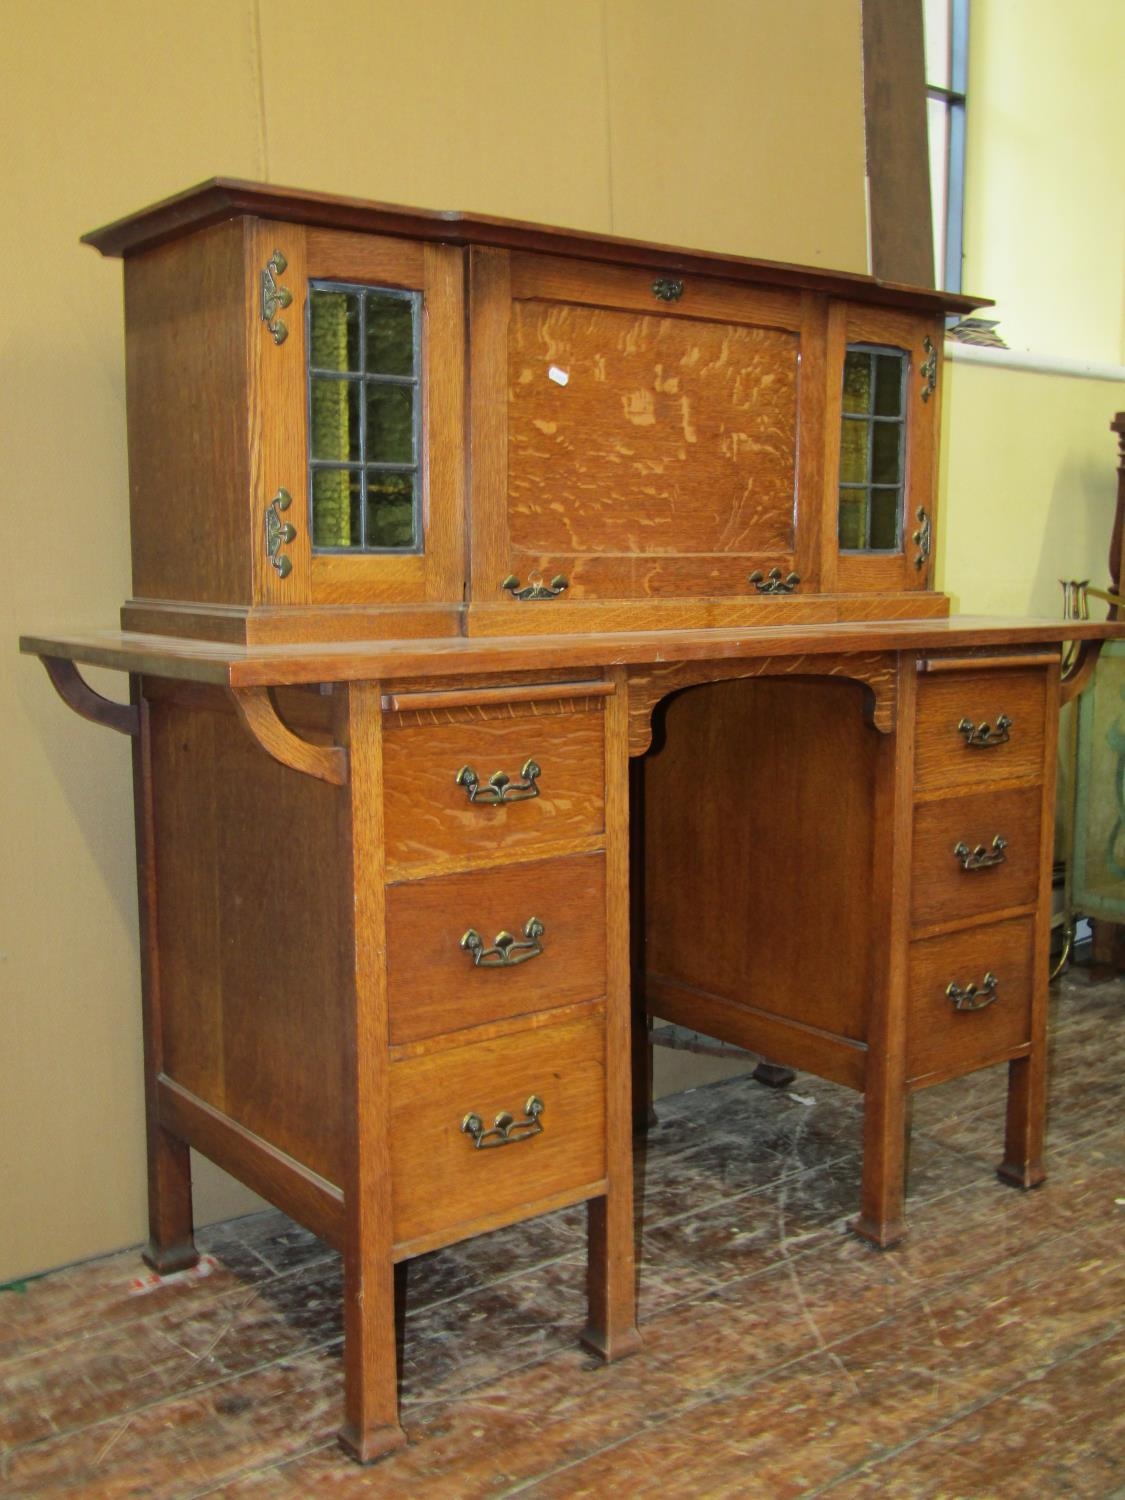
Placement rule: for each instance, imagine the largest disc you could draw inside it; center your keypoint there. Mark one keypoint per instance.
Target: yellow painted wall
(719, 123)
(1029, 479)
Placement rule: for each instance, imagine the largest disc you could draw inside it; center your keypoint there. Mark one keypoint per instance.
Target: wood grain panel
(441, 1182)
(943, 1040)
(669, 435)
(759, 849)
(185, 379)
(429, 816)
(943, 891)
(944, 759)
(435, 986)
(248, 913)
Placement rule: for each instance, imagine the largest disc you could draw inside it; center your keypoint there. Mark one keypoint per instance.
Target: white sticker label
(560, 377)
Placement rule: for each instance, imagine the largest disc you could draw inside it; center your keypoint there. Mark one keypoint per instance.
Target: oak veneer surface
(183, 470)
(435, 987)
(942, 1039)
(759, 843)
(221, 198)
(441, 1182)
(943, 758)
(343, 661)
(248, 911)
(944, 891)
(429, 817)
(648, 445)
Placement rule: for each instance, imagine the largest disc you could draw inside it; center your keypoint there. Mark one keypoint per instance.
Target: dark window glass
(364, 418)
(872, 449)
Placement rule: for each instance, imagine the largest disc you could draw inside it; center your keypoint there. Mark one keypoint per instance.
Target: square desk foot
(373, 1444)
(1023, 1175)
(610, 1347)
(166, 1260)
(883, 1235)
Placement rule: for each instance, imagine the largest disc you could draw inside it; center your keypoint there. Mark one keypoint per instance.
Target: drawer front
(430, 815)
(960, 740)
(435, 986)
(975, 853)
(442, 1182)
(941, 1038)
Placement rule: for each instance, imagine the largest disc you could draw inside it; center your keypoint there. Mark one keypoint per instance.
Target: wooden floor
(984, 1358)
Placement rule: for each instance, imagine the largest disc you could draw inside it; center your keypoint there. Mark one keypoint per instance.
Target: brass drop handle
(500, 787)
(773, 582)
(981, 858)
(972, 998)
(507, 950)
(505, 1131)
(983, 736)
(535, 588)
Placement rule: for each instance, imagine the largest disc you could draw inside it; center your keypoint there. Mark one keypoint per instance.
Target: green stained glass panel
(335, 508)
(853, 452)
(390, 424)
(884, 520)
(886, 452)
(853, 519)
(390, 509)
(334, 331)
(390, 334)
(857, 381)
(334, 419)
(888, 384)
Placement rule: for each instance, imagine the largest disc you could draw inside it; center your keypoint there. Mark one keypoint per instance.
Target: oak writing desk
(440, 524)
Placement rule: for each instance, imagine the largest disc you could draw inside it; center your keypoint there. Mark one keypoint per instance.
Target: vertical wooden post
(171, 1246)
(611, 1329)
(641, 1051)
(898, 158)
(882, 1217)
(371, 1426)
(1022, 1164)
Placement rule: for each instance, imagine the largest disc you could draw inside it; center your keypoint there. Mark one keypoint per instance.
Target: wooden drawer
(943, 754)
(435, 986)
(944, 890)
(443, 1185)
(430, 815)
(944, 1040)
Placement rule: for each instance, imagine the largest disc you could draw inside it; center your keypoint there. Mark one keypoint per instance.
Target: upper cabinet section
(647, 437)
(637, 436)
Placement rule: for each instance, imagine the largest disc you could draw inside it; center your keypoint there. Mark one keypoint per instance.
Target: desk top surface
(358, 661)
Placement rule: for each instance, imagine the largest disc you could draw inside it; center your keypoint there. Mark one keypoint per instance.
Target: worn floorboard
(982, 1360)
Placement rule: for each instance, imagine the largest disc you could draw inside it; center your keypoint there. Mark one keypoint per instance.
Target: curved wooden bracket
(326, 762)
(77, 694)
(1079, 669)
(649, 684)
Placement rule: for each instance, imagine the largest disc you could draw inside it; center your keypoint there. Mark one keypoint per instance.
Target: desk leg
(611, 1327)
(611, 1330)
(641, 1046)
(1023, 1138)
(171, 1243)
(1022, 1165)
(371, 1425)
(886, 1097)
(882, 1218)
